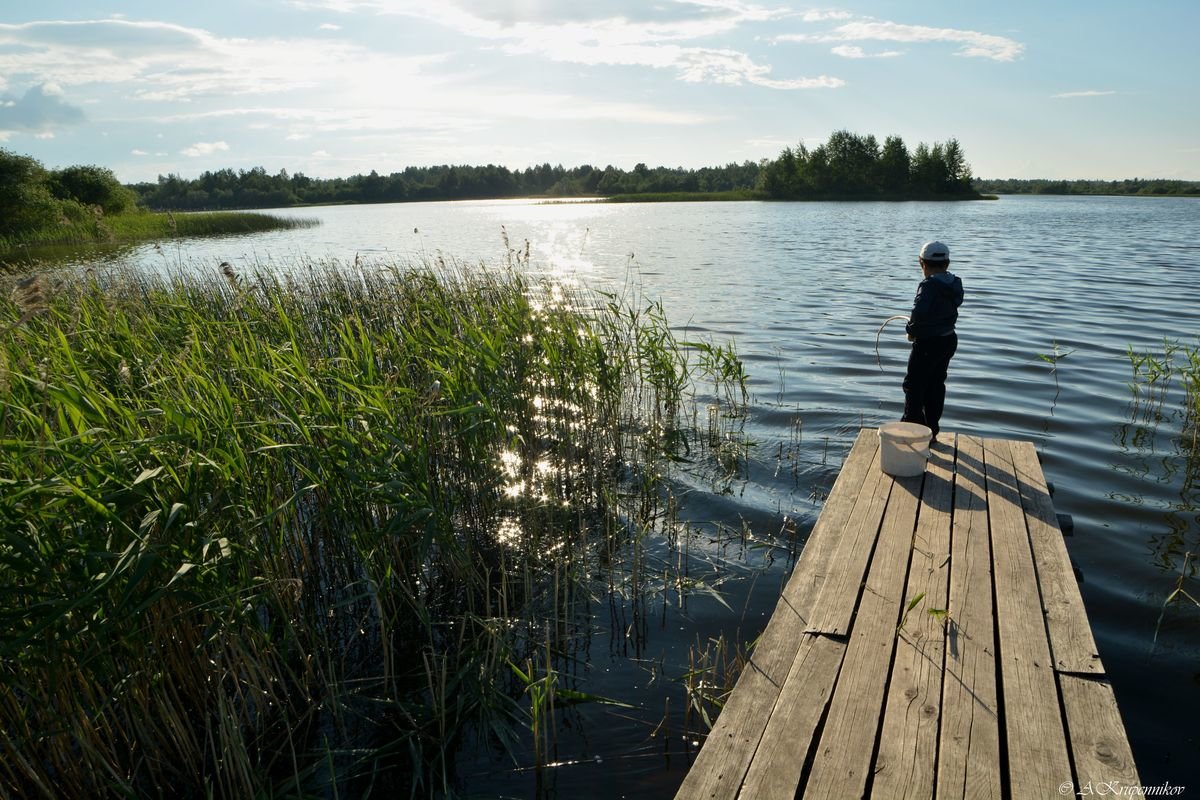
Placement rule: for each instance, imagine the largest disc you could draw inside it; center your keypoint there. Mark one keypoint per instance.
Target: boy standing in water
(930, 328)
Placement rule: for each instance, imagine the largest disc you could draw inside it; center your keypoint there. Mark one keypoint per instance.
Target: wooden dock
(931, 642)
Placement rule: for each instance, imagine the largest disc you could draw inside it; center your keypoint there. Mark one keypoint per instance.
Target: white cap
(935, 251)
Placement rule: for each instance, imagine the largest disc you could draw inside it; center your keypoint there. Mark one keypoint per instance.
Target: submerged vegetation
(1154, 375)
(1166, 395)
(305, 535)
(85, 204)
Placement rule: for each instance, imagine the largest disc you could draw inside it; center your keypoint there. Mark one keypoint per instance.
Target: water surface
(1057, 291)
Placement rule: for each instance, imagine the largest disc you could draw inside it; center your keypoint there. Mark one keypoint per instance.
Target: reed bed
(299, 534)
(144, 225)
(90, 225)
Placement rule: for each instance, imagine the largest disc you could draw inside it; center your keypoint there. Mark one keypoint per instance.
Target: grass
(714, 668)
(144, 225)
(288, 535)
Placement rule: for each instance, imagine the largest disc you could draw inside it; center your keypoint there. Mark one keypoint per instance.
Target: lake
(1057, 291)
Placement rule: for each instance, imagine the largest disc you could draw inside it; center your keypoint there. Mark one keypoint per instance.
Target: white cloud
(44, 135)
(610, 41)
(1088, 93)
(137, 152)
(95, 51)
(824, 15)
(450, 107)
(204, 149)
(854, 51)
(730, 67)
(973, 43)
(162, 62)
(322, 82)
(38, 110)
(770, 143)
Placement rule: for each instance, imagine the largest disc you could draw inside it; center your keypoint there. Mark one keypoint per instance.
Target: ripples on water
(801, 288)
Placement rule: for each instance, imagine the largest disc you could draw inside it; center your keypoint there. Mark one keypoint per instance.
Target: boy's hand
(910, 338)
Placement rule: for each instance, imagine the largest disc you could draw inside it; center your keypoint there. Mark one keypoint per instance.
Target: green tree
(852, 162)
(958, 172)
(929, 169)
(852, 165)
(26, 203)
(781, 178)
(92, 186)
(894, 166)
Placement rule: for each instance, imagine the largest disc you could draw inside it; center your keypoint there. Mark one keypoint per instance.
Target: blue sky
(1092, 89)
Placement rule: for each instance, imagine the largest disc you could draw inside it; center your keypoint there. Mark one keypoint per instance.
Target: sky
(1044, 89)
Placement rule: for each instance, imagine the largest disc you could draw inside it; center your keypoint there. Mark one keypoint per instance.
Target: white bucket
(903, 448)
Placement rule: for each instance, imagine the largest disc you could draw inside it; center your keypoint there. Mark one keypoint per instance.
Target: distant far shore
(698, 197)
(1130, 187)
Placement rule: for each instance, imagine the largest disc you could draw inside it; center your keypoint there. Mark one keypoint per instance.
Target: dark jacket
(935, 308)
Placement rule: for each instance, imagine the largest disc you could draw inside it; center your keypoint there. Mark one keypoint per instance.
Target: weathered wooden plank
(793, 727)
(839, 594)
(817, 561)
(811, 693)
(969, 744)
(1037, 749)
(842, 762)
(904, 766)
(1099, 745)
(723, 760)
(1071, 642)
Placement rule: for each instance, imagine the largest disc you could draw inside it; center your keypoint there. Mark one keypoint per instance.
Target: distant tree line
(850, 165)
(256, 188)
(34, 199)
(1135, 186)
(847, 166)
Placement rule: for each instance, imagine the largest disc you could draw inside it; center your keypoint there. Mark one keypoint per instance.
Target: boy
(931, 330)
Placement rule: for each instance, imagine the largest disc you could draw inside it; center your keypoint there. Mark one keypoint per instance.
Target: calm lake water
(801, 289)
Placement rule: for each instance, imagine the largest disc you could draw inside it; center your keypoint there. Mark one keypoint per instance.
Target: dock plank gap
(930, 643)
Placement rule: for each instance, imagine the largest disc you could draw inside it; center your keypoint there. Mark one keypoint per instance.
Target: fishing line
(878, 360)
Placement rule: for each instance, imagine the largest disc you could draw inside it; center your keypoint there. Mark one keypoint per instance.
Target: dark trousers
(925, 383)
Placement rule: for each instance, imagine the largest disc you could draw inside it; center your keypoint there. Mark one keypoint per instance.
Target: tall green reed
(1166, 401)
(1153, 376)
(288, 533)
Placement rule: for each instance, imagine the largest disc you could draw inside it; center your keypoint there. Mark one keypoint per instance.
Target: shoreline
(144, 226)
